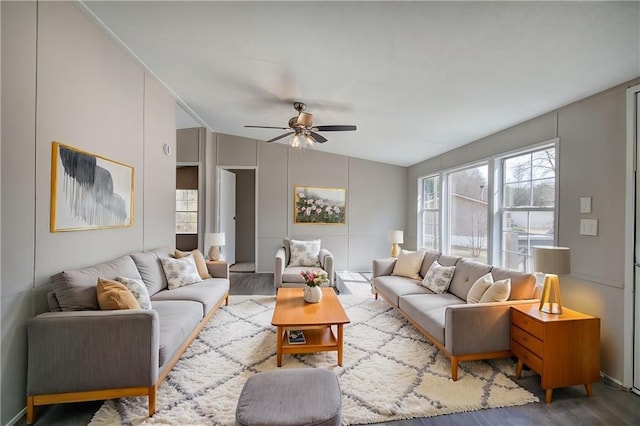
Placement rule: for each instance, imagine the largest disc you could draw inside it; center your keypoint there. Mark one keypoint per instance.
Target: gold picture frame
(89, 191)
(319, 206)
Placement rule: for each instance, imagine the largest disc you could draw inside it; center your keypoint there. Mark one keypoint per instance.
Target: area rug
(390, 371)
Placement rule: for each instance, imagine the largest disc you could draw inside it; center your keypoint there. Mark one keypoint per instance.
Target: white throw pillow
(180, 272)
(304, 253)
(438, 277)
(408, 264)
(139, 291)
(479, 288)
(498, 292)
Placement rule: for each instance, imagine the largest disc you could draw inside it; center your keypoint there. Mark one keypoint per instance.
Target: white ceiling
(417, 78)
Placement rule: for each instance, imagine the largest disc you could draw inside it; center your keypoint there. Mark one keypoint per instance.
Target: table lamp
(395, 238)
(551, 261)
(214, 240)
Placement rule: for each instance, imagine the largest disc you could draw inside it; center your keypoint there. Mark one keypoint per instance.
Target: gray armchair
(289, 276)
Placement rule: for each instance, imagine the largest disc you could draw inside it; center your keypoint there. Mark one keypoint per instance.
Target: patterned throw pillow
(180, 272)
(139, 291)
(201, 264)
(438, 277)
(304, 253)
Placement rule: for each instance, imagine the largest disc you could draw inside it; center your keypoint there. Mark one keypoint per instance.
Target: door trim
(628, 357)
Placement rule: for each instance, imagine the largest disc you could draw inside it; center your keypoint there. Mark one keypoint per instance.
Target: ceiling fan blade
(335, 128)
(318, 138)
(280, 137)
(268, 127)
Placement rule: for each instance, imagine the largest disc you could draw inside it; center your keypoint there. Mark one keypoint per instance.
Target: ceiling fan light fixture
(296, 141)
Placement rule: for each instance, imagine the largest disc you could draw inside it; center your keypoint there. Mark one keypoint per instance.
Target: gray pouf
(301, 396)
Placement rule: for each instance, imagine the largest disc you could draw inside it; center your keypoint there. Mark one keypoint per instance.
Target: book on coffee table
(296, 337)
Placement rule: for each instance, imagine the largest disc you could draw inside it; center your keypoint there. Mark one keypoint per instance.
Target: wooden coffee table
(315, 319)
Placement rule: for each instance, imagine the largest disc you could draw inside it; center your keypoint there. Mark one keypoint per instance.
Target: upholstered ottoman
(301, 396)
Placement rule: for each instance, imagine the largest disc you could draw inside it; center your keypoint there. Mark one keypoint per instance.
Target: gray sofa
(462, 331)
(79, 353)
(289, 276)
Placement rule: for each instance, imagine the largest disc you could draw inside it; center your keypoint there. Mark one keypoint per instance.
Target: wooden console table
(564, 349)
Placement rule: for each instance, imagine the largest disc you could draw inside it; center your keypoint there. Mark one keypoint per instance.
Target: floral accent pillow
(139, 291)
(304, 253)
(180, 272)
(438, 277)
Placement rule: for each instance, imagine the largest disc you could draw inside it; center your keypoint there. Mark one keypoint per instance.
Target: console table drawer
(527, 340)
(527, 357)
(528, 324)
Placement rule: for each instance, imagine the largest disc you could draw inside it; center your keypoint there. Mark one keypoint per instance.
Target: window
(467, 226)
(429, 213)
(527, 214)
(186, 211)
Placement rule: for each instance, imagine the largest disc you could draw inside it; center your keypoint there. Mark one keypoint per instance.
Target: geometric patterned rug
(390, 371)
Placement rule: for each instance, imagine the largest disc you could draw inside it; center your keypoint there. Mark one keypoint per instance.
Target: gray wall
(91, 95)
(592, 135)
(376, 198)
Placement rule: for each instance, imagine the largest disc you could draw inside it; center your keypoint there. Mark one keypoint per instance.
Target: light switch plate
(589, 227)
(585, 204)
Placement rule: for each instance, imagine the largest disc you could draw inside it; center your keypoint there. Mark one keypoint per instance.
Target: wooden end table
(563, 349)
(315, 319)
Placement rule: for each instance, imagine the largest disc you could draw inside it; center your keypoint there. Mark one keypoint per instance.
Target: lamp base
(550, 301)
(214, 253)
(395, 250)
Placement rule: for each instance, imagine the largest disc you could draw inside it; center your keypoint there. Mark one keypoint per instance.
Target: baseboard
(613, 383)
(17, 417)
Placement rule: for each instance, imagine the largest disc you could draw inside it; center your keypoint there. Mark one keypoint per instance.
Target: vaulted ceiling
(417, 78)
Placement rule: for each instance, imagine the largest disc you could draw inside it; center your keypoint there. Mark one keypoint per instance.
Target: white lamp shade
(395, 237)
(214, 239)
(552, 260)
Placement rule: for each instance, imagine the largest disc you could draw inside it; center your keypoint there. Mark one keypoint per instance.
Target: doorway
(237, 215)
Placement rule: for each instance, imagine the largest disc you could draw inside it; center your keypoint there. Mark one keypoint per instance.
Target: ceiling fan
(303, 130)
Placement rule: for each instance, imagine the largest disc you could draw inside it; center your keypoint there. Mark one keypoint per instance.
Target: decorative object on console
(551, 261)
(214, 240)
(313, 280)
(313, 205)
(89, 191)
(395, 238)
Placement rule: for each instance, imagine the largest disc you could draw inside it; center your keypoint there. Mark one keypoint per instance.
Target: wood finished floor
(608, 406)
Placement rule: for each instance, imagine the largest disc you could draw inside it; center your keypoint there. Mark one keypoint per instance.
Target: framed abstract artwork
(89, 191)
(314, 205)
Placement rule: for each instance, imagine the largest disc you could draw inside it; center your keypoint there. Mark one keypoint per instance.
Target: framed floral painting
(315, 205)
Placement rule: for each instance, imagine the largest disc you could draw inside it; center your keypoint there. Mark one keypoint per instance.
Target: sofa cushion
(76, 289)
(177, 319)
(438, 277)
(138, 289)
(291, 274)
(448, 260)
(113, 295)
(467, 273)
(428, 311)
(408, 264)
(522, 285)
(430, 256)
(150, 268)
(498, 292)
(201, 264)
(208, 292)
(180, 272)
(393, 287)
(304, 253)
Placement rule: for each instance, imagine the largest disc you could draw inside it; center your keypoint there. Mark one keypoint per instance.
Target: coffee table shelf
(317, 340)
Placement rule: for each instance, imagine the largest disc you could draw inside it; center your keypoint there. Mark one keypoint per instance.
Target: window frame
(422, 210)
(196, 211)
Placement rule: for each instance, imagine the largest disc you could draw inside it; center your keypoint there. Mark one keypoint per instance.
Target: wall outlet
(589, 227)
